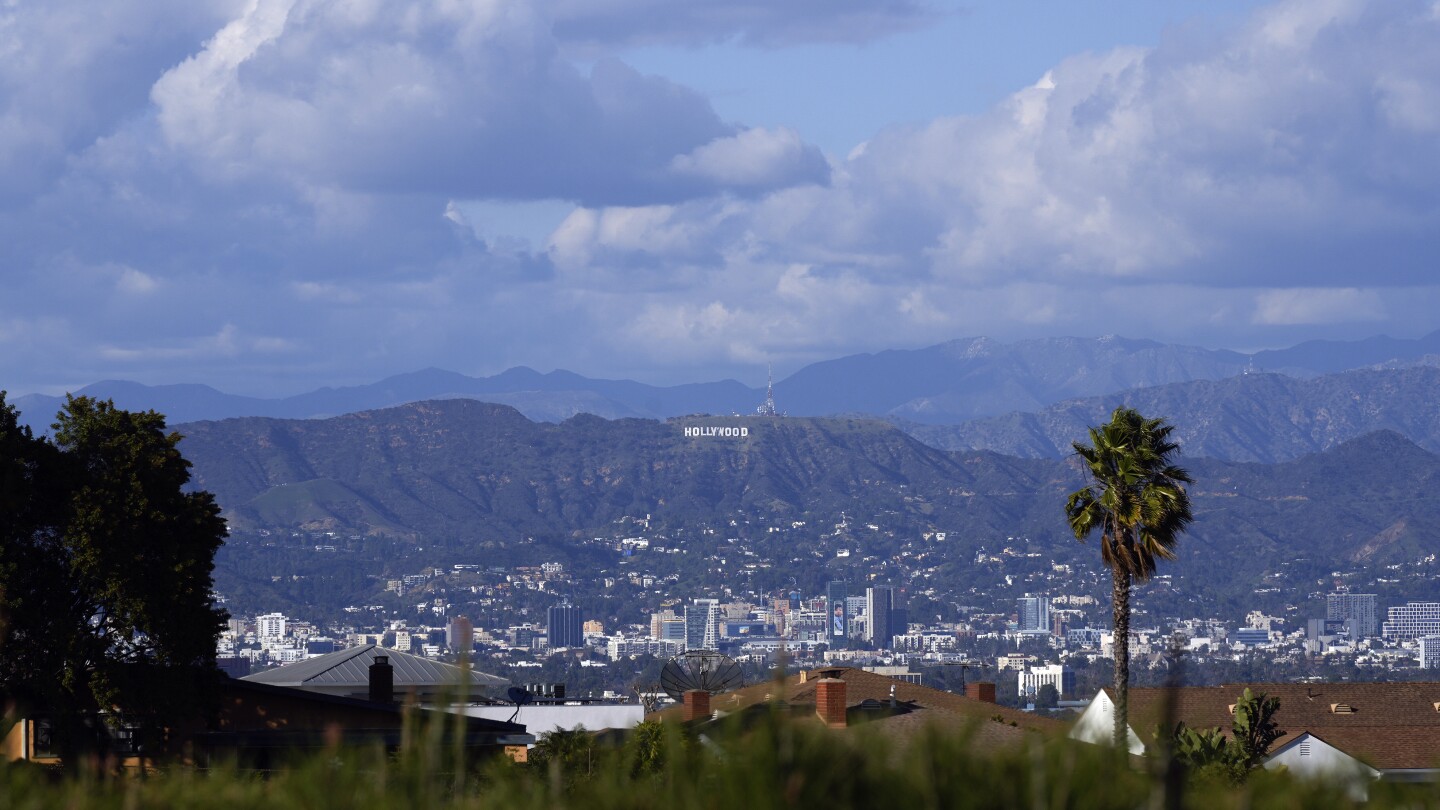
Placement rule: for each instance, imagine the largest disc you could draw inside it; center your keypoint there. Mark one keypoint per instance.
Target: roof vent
(1341, 708)
(1437, 707)
(1305, 748)
(1232, 708)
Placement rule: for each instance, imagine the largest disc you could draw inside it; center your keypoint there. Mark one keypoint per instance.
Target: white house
(1348, 732)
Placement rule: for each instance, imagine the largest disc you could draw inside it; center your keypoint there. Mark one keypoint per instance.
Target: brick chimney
(830, 701)
(697, 705)
(382, 680)
(984, 692)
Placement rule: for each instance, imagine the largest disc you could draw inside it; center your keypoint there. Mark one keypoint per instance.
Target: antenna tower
(767, 408)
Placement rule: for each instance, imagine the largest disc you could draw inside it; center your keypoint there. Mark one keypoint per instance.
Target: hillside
(1254, 417)
(463, 477)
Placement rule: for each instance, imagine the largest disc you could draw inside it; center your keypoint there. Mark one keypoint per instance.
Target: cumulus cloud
(300, 171)
(459, 99)
(1229, 184)
(610, 23)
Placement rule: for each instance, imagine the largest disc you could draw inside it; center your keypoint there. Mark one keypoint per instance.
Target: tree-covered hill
(465, 471)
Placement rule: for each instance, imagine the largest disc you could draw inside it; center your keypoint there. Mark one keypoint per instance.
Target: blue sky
(273, 195)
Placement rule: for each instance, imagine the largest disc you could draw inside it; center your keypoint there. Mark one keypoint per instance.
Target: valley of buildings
(1039, 622)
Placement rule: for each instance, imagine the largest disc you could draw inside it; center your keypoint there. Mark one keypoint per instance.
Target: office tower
(1412, 620)
(1356, 610)
(1034, 614)
(702, 625)
(837, 628)
(565, 626)
(879, 604)
(460, 635)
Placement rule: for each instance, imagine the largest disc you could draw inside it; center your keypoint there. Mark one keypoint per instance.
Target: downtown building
(1033, 615)
(1411, 621)
(885, 617)
(1356, 611)
(564, 626)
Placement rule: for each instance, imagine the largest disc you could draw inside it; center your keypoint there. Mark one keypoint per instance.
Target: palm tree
(1137, 502)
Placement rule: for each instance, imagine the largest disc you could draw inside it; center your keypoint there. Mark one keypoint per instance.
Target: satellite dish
(699, 669)
(520, 697)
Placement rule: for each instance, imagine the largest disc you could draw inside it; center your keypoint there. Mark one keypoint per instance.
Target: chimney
(382, 680)
(983, 692)
(697, 705)
(830, 701)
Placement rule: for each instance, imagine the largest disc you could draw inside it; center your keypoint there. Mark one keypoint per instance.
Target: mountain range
(459, 473)
(948, 383)
(1252, 417)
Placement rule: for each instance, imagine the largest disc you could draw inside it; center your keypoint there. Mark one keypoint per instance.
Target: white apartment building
(270, 627)
(1412, 620)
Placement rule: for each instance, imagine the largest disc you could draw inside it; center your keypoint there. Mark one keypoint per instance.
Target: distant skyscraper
(460, 635)
(702, 625)
(565, 626)
(1356, 610)
(837, 626)
(879, 607)
(1034, 614)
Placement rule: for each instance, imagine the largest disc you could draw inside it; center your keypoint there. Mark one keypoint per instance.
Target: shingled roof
(1391, 726)
(931, 706)
(348, 671)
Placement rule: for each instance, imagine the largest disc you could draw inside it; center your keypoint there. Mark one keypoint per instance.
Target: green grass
(771, 764)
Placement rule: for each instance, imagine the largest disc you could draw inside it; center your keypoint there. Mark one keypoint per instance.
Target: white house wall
(1097, 725)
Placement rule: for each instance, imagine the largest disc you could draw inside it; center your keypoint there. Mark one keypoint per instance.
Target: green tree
(104, 536)
(1137, 502)
(1047, 696)
(1253, 731)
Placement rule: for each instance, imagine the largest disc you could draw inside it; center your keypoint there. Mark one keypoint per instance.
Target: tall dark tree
(1137, 501)
(105, 573)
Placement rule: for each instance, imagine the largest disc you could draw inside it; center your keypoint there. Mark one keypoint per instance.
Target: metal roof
(351, 668)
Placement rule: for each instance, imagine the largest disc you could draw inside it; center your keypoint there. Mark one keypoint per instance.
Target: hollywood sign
(700, 431)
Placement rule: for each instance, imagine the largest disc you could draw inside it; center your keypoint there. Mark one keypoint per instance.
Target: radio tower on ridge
(767, 408)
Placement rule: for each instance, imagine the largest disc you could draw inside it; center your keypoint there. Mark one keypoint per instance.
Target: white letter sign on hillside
(725, 431)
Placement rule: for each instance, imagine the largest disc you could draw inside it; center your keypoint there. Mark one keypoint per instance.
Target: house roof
(1390, 725)
(931, 706)
(351, 668)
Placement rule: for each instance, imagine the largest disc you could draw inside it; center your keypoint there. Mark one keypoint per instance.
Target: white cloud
(756, 159)
(1323, 305)
(466, 100)
(605, 24)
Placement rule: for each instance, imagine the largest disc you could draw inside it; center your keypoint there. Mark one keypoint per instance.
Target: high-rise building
(1412, 620)
(460, 635)
(270, 626)
(837, 629)
(1034, 614)
(565, 626)
(657, 618)
(671, 630)
(702, 624)
(879, 607)
(1356, 610)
